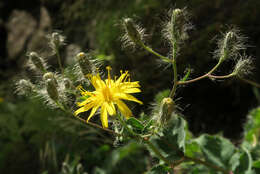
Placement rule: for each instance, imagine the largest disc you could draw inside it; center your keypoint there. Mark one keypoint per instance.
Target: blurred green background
(36, 139)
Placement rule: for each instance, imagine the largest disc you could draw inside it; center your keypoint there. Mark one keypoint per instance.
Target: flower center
(107, 94)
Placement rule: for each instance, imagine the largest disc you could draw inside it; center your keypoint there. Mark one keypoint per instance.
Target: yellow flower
(107, 94)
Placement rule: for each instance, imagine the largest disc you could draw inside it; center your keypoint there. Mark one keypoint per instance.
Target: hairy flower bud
(56, 40)
(24, 87)
(50, 75)
(176, 27)
(85, 65)
(52, 89)
(67, 83)
(230, 45)
(243, 67)
(166, 109)
(132, 31)
(37, 61)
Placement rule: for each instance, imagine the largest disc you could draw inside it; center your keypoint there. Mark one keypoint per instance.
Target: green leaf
(186, 75)
(252, 127)
(135, 123)
(171, 141)
(245, 163)
(216, 150)
(160, 169)
(256, 164)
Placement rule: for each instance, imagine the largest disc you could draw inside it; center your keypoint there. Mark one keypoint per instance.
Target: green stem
(59, 59)
(221, 77)
(205, 163)
(201, 77)
(155, 53)
(175, 72)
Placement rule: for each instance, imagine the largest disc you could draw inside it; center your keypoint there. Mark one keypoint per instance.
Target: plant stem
(221, 77)
(59, 59)
(205, 163)
(201, 77)
(175, 73)
(165, 59)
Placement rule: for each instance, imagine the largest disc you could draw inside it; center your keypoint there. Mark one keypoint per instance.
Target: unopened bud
(56, 40)
(52, 89)
(228, 43)
(37, 61)
(166, 109)
(50, 75)
(132, 31)
(84, 63)
(243, 67)
(24, 87)
(179, 25)
(67, 83)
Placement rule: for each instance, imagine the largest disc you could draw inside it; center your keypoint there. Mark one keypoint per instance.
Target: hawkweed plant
(165, 133)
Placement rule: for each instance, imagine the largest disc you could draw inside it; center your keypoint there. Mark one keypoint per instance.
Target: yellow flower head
(107, 94)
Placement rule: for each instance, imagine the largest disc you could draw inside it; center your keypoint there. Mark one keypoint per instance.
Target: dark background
(209, 106)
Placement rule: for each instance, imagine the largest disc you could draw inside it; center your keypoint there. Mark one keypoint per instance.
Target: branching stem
(165, 59)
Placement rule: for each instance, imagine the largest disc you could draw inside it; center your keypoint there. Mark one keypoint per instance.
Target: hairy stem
(175, 73)
(59, 59)
(165, 59)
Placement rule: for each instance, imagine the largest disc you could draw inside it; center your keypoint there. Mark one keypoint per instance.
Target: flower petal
(103, 117)
(128, 97)
(93, 111)
(110, 108)
(84, 108)
(124, 109)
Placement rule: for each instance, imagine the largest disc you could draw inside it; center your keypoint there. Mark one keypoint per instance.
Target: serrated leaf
(216, 150)
(172, 139)
(136, 124)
